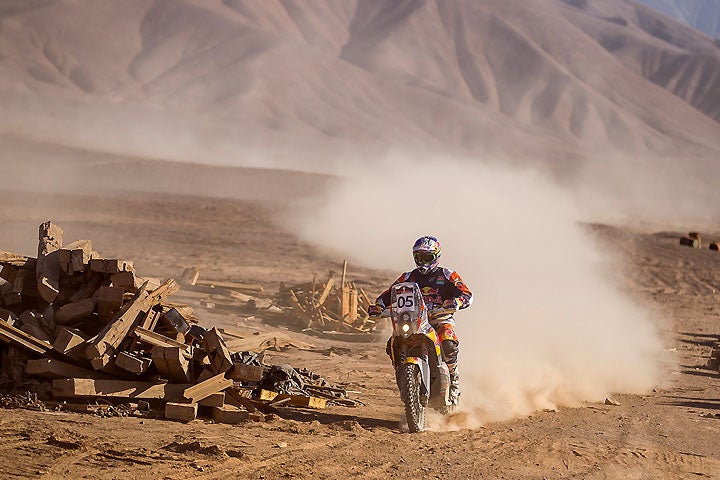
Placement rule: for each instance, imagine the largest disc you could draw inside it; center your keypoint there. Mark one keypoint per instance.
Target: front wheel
(409, 376)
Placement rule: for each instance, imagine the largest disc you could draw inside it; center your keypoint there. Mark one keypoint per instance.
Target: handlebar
(434, 313)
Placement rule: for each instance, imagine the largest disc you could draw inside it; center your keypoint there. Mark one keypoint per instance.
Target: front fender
(424, 372)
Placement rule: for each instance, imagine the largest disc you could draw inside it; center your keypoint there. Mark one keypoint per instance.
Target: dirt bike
(420, 372)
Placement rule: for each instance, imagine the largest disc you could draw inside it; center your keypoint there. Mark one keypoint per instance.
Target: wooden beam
(101, 350)
(245, 373)
(248, 287)
(109, 300)
(157, 340)
(51, 368)
(230, 414)
(133, 363)
(83, 387)
(204, 389)
(182, 412)
(18, 338)
(72, 313)
(25, 283)
(189, 276)
(217, 350)
(214, 400)
(103, 265)
(17, 260)
(171, 364)
(30, 320)
(125, 280)
(74, 258)
(70, 343)
(48, 261)
(294, 400)
(326, 291)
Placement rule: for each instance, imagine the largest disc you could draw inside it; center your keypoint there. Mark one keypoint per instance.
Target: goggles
(424, 258)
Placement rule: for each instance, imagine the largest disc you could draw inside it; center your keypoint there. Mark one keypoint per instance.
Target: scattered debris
(713, 362)
(695, 240)
(328, 308)
(103, 336)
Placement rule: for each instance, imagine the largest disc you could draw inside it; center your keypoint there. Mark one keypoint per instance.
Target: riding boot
(454, 383)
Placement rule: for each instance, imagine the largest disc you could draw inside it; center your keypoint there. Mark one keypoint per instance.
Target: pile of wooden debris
(98, 331)
(329, 308)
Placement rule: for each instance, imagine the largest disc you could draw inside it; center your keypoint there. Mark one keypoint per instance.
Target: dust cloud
(548, 328)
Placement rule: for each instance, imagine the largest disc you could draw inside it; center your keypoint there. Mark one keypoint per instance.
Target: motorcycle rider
(441, 288)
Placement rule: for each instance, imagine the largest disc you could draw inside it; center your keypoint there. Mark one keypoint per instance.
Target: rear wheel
(414, 409)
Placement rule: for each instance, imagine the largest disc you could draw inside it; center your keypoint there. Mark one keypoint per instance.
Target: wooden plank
(152, 282)
(48, 261)
(326, 291)
(202, 390)
(182, 412)
(133, 363)
(75, 312)
(157, 340)
(84, 387)
(294, 400)
(150, 320)
(17, 260)
(18, 338)
(230, 414)
(51, 368)
(247, 287)
(158, 359)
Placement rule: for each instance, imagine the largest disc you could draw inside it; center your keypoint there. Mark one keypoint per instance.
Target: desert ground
(670, 432)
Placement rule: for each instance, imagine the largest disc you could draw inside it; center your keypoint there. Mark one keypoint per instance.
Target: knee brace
(450, 350)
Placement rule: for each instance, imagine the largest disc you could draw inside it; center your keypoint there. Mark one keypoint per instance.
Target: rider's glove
(451, 304)
(375, 310)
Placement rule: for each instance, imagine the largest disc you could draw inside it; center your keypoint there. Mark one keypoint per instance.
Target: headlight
(405, 327)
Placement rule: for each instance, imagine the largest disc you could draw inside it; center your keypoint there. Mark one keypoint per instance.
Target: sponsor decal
(429, 291)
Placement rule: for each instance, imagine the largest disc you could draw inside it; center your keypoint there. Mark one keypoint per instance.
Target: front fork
(402, 358)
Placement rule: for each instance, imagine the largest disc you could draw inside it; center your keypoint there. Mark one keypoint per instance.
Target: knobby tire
(414, 409)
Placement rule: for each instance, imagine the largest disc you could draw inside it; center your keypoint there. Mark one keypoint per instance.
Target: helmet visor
(424, 258)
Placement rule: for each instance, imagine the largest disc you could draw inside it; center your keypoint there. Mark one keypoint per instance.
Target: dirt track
(671, 433)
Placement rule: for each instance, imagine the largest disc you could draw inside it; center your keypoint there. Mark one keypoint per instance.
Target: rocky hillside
(701, 14)
(528, 77)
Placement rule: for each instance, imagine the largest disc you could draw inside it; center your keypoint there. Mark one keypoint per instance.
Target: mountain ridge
(576, 76)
